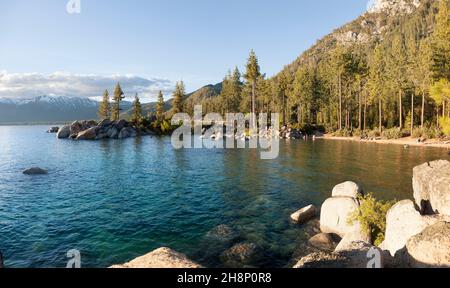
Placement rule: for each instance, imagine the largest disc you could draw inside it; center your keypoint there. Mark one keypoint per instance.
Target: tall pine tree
(118, 97)
(160, 107)
(178, 96)
(251, 76)
(104, 109)
(136, 117)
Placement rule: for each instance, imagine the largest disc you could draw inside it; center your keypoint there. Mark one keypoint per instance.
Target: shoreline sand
(434, 143)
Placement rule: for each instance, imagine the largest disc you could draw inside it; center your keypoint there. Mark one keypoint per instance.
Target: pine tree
(160, 107)
(104, 109)
(441, 43)
(251, 76)
(178, 96)
(118, 97)
(136, 117)
(376, 82)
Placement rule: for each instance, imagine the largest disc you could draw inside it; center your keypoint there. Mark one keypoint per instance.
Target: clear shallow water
(116, 200)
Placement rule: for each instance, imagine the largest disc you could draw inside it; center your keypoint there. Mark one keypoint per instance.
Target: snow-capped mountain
(46, 109)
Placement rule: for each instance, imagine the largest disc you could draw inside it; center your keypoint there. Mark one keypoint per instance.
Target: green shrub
(163, 127)
(373, 134)
(394, 133)
(372, 216)
(445, 125)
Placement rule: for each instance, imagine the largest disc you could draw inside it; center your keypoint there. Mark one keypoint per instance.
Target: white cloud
(29, 85)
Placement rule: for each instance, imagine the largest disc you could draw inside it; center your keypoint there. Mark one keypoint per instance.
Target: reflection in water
(116, 200)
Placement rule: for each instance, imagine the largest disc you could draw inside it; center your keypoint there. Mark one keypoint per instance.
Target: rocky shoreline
(417, 234)
(105, 129)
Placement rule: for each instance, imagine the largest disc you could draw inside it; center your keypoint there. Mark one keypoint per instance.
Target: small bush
(445, 124)
(373, 134)
(394, 133)
(372, 216)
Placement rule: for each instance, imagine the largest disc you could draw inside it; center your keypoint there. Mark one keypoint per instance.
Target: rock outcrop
(347, 189)
(305, 214)
(430, 248)
(35, 171)
(64, 132)
(357, 255)
(431, 183)
(334, 216)
(161, 258)
(323, 241)
(403, 221)
(91, 130)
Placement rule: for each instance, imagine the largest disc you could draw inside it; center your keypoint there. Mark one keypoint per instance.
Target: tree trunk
(365, 112)
(412, 113)
(359, 111)
(423, 110)
(380, 115)
(340, 102)
(400, 108)
(253, 105)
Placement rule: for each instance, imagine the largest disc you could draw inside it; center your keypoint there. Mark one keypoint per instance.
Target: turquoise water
(116, 200)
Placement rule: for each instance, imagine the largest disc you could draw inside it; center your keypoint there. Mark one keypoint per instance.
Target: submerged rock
(35, 171)
(430, 248)
(127, 132)
(431, 184)
(240, 255)
(161, 258)
(222, 233)
(305, 214)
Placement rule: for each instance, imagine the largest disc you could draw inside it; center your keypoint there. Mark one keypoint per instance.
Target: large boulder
(323, 241)
(402, 222)
(431, 183)
(305, 214)
(76, 127)
(430, 248)
(112, 132)
(120, 124)
(89, 134)
(64, 132)
(334, 216)
(127, 132)
(352, 237)
(161, 258)
(104, 123)
(358, 254)
(347, 189)
(35, 171)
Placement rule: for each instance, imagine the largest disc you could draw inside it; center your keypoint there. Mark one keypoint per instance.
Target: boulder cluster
(105, 129)
(417, 234)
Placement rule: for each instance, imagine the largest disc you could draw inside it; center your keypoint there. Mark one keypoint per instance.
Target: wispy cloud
(29, 85)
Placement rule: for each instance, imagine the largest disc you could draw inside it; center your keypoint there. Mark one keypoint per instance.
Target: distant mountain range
(49, 109)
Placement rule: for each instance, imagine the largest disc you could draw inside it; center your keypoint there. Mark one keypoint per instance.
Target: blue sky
(161, 41)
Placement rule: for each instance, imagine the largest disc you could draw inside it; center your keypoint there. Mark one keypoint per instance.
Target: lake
(119, 199)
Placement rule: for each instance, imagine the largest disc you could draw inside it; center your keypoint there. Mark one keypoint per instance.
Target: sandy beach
(436, 143)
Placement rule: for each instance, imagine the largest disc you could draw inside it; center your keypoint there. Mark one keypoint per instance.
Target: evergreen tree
(118, 97)
(376, 82)
(104, 109)
(441, 43)
(160, 107)
(178, 96)
(136, 117)
(251, 76)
